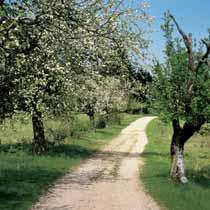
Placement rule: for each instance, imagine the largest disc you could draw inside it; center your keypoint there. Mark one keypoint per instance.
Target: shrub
(113, 118)
(136, 107)
(101, 121)
(205, 130)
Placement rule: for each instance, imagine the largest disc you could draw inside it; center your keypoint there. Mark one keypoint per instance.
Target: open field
(194, 195)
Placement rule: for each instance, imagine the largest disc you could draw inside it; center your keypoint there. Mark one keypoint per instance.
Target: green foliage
(16, 129)
(102, 95)
(116, 118)
(178, 91)
(102, 121)
(53, 44)
(135, 106)
(205, 130)
(171, 195)
(141, 80)
(105, 120)
(53, 53)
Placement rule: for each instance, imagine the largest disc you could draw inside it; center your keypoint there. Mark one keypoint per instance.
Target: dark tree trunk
(180, 136)
(92, 121)
(177, 159)
(39, 141)
(177, 154)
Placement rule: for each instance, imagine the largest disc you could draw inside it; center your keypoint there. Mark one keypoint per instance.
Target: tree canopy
(48, 48)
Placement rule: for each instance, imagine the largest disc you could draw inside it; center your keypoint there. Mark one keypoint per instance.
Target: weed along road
(107, 181)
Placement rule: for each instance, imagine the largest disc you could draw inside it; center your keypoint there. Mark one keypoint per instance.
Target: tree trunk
(180, 136)
(39, 141)
(177, 153)
(177, 160)
(92, 121)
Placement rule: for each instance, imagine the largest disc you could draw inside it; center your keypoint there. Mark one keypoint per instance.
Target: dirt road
(108, 181)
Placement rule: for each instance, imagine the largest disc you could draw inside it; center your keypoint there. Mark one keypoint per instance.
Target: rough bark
(177, 154)
(180, 136)
(188, 44)
(177, 160)
(192, 66)
(39, 141)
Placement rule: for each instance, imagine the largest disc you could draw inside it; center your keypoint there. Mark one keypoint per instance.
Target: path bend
(107, 181)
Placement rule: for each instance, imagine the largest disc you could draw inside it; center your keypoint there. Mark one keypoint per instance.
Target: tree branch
(205, 56)
(1, 2)
(188, 44)
(189, 128)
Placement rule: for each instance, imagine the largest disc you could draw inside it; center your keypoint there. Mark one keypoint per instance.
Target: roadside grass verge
(24, 177)
(155, 174)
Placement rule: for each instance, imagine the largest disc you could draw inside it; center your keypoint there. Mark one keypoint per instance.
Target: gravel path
(108, 181)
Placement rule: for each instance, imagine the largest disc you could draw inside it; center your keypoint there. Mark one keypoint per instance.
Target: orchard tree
(43, 44)
(30, 49)
(141, 80)
(115, 94)
(90, 97)
(103, 96)
(181, 89)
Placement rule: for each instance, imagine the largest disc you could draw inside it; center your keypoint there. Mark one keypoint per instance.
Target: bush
(112, 118)
(205, 130)
(116, 118)
(57, 135)
(79, 125)
(15, 129)
(101, 121)
(58, 130)
(136, 107)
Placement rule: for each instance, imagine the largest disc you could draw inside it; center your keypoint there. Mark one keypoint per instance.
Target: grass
(24, 177)
(155, 175)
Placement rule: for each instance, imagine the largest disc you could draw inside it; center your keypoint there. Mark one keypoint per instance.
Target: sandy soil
(108, 181)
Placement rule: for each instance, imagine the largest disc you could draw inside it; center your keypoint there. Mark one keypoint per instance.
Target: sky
(192, 15)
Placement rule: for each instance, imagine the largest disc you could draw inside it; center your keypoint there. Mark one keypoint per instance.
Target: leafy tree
(181, 90)
(30, 52)
(101, 95)
(47, 46)
(141, 80)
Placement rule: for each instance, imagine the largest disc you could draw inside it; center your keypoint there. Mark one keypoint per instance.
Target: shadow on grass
(24, 176)
(68, 150)
(201, 177)
(103, 131)
(21, 187)
(16, 183)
